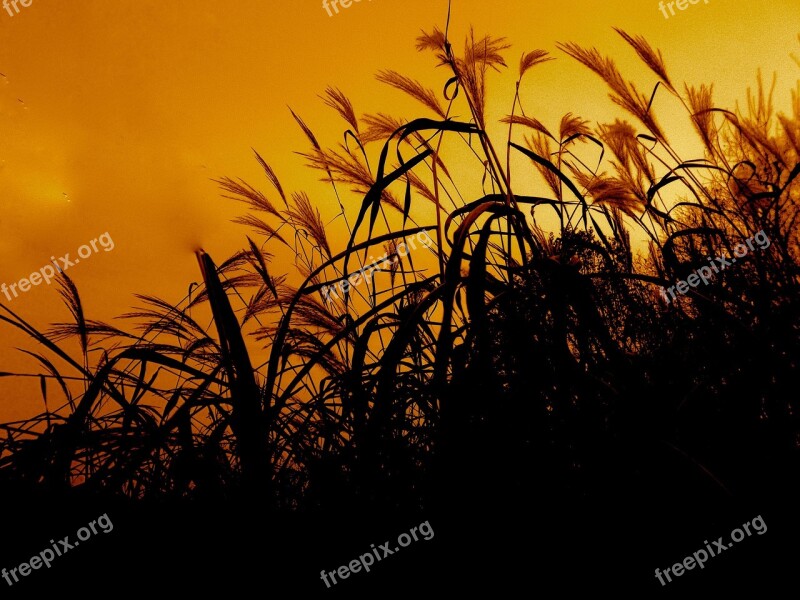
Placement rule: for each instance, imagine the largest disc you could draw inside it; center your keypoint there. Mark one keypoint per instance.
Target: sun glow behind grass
(136, 119)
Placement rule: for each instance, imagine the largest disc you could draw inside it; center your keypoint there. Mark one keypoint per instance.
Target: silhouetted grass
(507, 358)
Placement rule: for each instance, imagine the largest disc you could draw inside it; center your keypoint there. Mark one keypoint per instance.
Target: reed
(503, 349)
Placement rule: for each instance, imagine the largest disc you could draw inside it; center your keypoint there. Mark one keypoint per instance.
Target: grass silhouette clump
(508, 359)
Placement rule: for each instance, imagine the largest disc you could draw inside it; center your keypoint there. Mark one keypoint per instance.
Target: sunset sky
(116, 116)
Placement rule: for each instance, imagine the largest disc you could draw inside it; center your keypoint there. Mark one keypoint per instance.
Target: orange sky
(116, 115)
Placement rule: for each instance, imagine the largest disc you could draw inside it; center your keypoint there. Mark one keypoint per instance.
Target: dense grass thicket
(512, 359)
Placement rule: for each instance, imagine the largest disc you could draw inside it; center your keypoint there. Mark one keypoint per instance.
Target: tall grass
(505, 354)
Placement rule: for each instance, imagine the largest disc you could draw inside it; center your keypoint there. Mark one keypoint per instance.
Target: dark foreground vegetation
(521, 384)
